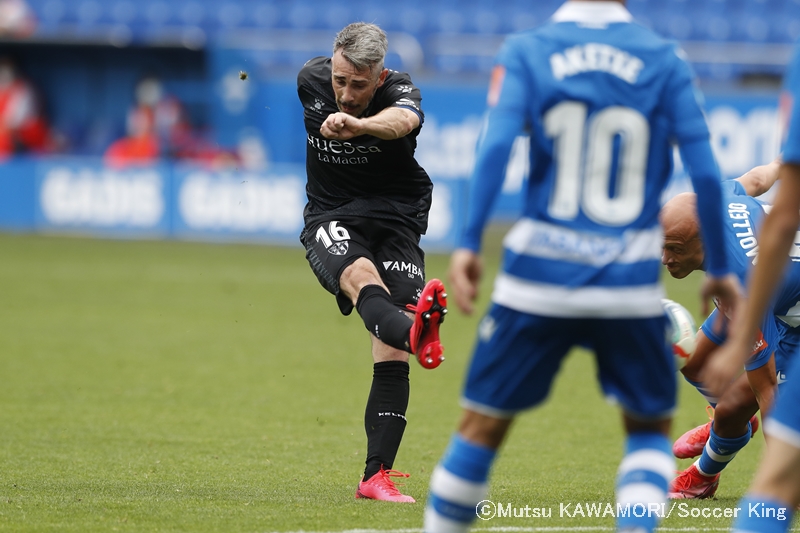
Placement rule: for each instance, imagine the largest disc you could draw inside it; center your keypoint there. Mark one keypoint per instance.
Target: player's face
(353, 88)
(682, 255)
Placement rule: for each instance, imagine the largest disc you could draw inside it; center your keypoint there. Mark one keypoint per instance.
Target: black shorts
(333, 243)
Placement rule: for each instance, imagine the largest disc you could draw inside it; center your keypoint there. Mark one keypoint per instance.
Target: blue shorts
(517, 356)
(765, 345)
(778, 337)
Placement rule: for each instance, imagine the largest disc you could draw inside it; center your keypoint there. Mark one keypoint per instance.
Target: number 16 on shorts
(334, 238)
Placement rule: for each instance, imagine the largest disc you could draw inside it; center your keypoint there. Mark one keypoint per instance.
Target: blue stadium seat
(230, 15)
(791, 14)
(484, 20)
(266, 14)
(678, 27)
(767, 21)
(543, 9)
(334, 16)
(750, 21)
(381, 14)
(302, 15)
(525, 20)
(123, 12)
(413, 18)
(89, 12)
(711, 21)
(247, 8)
(158, 13)
(446, 19)
(50, 12)
(60, 11)
(191, 13)
(669, 23)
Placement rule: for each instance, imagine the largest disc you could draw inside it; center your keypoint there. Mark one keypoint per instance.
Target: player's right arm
(691, 131)
(508, 97)
(501, 129)
(720, 283)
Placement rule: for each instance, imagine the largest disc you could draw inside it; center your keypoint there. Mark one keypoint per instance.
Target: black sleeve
(315, 92)
(399, 91)
(312, 80)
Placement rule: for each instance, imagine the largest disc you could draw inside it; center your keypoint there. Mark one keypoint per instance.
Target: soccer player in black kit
(368, 203)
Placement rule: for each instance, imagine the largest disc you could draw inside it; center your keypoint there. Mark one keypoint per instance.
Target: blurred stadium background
(154, 385)
(97, 87)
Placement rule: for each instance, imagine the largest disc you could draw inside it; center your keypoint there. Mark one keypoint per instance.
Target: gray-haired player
(368, 203)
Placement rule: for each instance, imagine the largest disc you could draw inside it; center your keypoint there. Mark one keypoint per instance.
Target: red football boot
(692, 485)
(428, 314)
(381, 487)
(691, 443)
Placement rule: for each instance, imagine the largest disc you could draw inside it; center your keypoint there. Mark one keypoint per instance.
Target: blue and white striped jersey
(604, 100)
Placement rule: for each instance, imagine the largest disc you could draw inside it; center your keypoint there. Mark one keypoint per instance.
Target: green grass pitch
(175, 386)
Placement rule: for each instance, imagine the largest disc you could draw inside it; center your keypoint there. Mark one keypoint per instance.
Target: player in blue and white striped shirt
(774, 494)
(603, 100)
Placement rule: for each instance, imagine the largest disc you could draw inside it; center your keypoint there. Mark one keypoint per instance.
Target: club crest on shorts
(339, 248)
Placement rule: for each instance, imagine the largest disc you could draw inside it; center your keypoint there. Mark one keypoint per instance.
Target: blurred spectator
(22, 124)
(155, 127)
(16, 18)
(158, 127)
(166, 114)
(139, 147)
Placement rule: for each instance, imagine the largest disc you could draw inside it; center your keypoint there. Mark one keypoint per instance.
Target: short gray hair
(363, 45)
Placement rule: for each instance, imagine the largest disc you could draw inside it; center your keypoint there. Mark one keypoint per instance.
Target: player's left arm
(760, 179)
(391, 123)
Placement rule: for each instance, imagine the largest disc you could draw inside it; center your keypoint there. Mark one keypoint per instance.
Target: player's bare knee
(357, 275)
(383, 352)
(484, 430)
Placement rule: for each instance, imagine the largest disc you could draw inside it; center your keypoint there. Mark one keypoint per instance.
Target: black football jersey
(363, 176)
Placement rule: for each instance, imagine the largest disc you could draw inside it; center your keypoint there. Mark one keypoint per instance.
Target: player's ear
(382, 76)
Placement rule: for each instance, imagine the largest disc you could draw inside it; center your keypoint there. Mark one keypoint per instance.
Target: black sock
(382, 318)
(385, 416)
